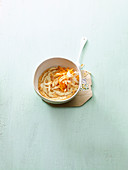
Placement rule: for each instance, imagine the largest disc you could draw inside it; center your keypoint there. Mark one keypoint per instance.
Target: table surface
(36, 136)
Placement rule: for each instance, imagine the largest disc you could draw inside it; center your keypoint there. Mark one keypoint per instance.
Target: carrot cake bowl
(57, 80)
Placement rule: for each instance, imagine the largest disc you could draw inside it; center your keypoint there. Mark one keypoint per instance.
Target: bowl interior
(56, 61)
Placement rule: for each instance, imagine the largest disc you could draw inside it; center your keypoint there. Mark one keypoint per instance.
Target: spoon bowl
(63, 62)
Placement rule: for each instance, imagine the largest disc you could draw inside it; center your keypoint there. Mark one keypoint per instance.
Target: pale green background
(35, 136)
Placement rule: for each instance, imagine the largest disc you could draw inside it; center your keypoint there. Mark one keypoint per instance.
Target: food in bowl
(58, 83)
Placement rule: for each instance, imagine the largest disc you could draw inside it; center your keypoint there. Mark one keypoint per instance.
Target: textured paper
(83, 95)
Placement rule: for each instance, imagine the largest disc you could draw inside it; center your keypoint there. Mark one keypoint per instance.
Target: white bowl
(55, 61)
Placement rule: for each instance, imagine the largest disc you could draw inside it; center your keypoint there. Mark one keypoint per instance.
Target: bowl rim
(57, 101)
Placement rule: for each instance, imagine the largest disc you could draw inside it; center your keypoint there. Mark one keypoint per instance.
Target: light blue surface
(34, 135)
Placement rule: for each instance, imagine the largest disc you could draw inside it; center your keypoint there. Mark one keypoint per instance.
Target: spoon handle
(83, 42)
